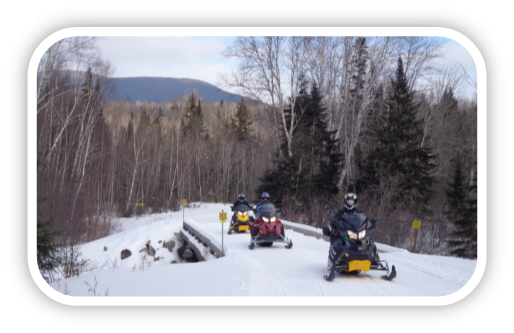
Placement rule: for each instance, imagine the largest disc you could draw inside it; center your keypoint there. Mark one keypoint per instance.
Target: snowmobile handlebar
(372, 223)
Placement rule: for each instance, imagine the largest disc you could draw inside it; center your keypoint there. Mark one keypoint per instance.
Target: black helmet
(241, 197)
(350, 201)
(264, 195)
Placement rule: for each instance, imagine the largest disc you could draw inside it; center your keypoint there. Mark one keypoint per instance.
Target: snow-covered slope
(274, 271)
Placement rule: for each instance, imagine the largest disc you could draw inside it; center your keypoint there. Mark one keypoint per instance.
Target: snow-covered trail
(298, 271)
(264, 271)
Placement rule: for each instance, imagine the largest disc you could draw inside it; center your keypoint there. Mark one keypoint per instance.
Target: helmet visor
(350, 202)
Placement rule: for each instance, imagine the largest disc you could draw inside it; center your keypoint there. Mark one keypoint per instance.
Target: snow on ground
(274, 271)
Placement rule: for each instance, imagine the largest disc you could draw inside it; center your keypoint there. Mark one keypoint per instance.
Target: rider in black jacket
(336, 240)
(240, 201)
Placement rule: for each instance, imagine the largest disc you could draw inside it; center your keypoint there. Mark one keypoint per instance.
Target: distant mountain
(165, 89)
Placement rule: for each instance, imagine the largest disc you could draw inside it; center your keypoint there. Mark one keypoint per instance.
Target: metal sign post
(183, 202)
(139, 211)
(416, 224)
(223, 218)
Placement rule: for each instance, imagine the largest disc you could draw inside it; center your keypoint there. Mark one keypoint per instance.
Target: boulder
(151, 250)
(180, 250)
(169, 245)
(188, 253)
(125, 254)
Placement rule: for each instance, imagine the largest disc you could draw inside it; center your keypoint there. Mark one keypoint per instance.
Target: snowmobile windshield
(242, 208)
(355, 221)
(267, 210)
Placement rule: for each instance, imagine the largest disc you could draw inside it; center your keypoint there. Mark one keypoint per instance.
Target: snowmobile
(267, 228)
(360, 251)
(242, 221)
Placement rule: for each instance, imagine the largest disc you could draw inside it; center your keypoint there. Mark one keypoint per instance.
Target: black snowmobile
(360, 251)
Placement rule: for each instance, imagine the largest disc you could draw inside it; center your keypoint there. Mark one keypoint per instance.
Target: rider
(264, 199)
(240, 201)
(336, 240)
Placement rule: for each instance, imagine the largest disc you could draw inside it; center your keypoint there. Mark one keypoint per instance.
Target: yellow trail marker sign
(183, 202)
(137, 204)
(223, 217)
(416, 224)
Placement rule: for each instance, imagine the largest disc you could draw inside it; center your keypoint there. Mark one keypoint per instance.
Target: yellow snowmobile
(241, 221)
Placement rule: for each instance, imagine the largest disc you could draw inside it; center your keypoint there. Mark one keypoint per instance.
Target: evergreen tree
(398, 156)
(457, 193)
(193, 116)
(448, 101)
(312, 170)
(130, 130)
(87, 86)
(47, 259)
(287, 178)
(463, 215)
(144, 120)
(241, 122)
(321, 151)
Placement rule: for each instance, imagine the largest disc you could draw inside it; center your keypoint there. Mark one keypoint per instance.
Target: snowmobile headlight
(273, 219)
(265, 219)
(352, 234)
(362, 234)
(245, 213)
(241, 214)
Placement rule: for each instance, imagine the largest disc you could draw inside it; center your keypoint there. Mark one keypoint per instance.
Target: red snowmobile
(267, 228)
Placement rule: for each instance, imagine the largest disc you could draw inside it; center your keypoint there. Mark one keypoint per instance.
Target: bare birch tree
(381, 52)
(270, 71)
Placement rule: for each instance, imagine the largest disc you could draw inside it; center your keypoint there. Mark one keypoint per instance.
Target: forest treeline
(376, 116)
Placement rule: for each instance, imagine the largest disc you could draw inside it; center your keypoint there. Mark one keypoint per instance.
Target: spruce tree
(47, 259)
(398, 156)
(463, 215)
(194, 125)
(324, 158)
(130, 130)
(312, 170)
(456, 195)
(287, 177)
(144, 120)
(241, 122)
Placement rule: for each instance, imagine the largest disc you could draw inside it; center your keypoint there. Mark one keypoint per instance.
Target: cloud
(193, 57)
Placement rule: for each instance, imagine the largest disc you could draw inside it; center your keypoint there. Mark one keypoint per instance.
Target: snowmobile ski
(390, 276)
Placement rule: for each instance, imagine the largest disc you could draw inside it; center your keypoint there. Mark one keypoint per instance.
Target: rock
(105, 248)
(187, 254)
(160, 242)
(174, 262)
(180, 250)
(125, 254)
(169, 245)
(151, 250)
